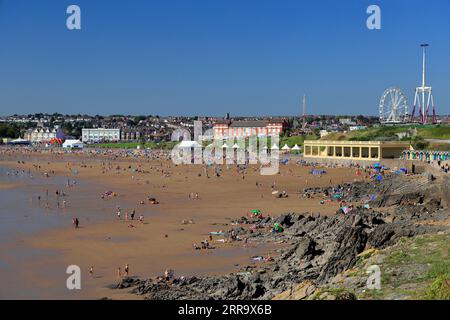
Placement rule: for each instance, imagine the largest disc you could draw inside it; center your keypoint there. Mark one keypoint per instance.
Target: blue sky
(199, 57)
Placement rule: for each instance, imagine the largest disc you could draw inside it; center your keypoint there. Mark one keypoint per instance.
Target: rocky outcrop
(319, 247)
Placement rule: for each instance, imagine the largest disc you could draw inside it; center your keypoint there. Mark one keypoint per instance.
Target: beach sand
(162, 241)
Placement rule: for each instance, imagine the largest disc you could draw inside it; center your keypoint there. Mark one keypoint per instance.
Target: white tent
(275, 147)
(19, 142)
(285, 147)
(296, 147)
(225, 146)
(189, 144)
(235, 146)
(72, 143)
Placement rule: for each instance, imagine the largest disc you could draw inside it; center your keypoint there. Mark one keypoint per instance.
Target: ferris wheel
(393, 106)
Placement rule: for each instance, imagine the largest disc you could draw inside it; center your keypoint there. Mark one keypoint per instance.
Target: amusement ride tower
(424, 96)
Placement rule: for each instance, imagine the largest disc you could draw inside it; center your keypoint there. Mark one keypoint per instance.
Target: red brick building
(244, 129)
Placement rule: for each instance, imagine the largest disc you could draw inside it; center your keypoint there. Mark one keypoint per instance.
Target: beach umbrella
(225, 146)
(275, 147)
(296, 147)
(285, 147)
(235, 146)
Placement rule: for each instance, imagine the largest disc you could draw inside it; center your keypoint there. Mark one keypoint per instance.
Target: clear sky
(209, 57)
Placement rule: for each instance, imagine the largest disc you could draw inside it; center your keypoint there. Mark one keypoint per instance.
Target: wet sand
(107, 243)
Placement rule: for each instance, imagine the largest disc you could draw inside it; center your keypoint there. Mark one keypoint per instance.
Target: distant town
(43, 128)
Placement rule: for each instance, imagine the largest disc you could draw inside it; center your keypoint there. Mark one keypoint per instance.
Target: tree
(9, 131)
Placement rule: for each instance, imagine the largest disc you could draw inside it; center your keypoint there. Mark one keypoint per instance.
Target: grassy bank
(416, 135)
(441, 132)
(415, 268)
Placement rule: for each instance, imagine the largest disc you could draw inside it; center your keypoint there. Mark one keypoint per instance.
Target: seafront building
(100, 135)
(243, 129)
(40, 134)
(354, 150)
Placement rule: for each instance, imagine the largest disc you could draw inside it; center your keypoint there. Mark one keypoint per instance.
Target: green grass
(292, 141)
(431, 252)
(390, 133)
(415, 268)
(435, 132)
(439, 289)
(133, 145)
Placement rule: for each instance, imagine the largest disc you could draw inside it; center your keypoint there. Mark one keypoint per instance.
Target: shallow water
(29, 273)
(23, 215)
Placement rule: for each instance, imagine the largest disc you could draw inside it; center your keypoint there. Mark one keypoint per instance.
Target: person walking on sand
(141, 218)
(168, 274)
(132, 214)
(91, 271)
(118, 214)
(127, 269)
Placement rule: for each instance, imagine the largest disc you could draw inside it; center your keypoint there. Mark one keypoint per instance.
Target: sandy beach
(162, 241)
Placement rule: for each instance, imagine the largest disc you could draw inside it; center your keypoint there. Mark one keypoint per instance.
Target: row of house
(95, 135)
(221, 129)
(41, 134)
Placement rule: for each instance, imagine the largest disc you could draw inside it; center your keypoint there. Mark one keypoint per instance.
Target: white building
(323, 133)
(347, 121)
(354, 128)
(100, 135)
